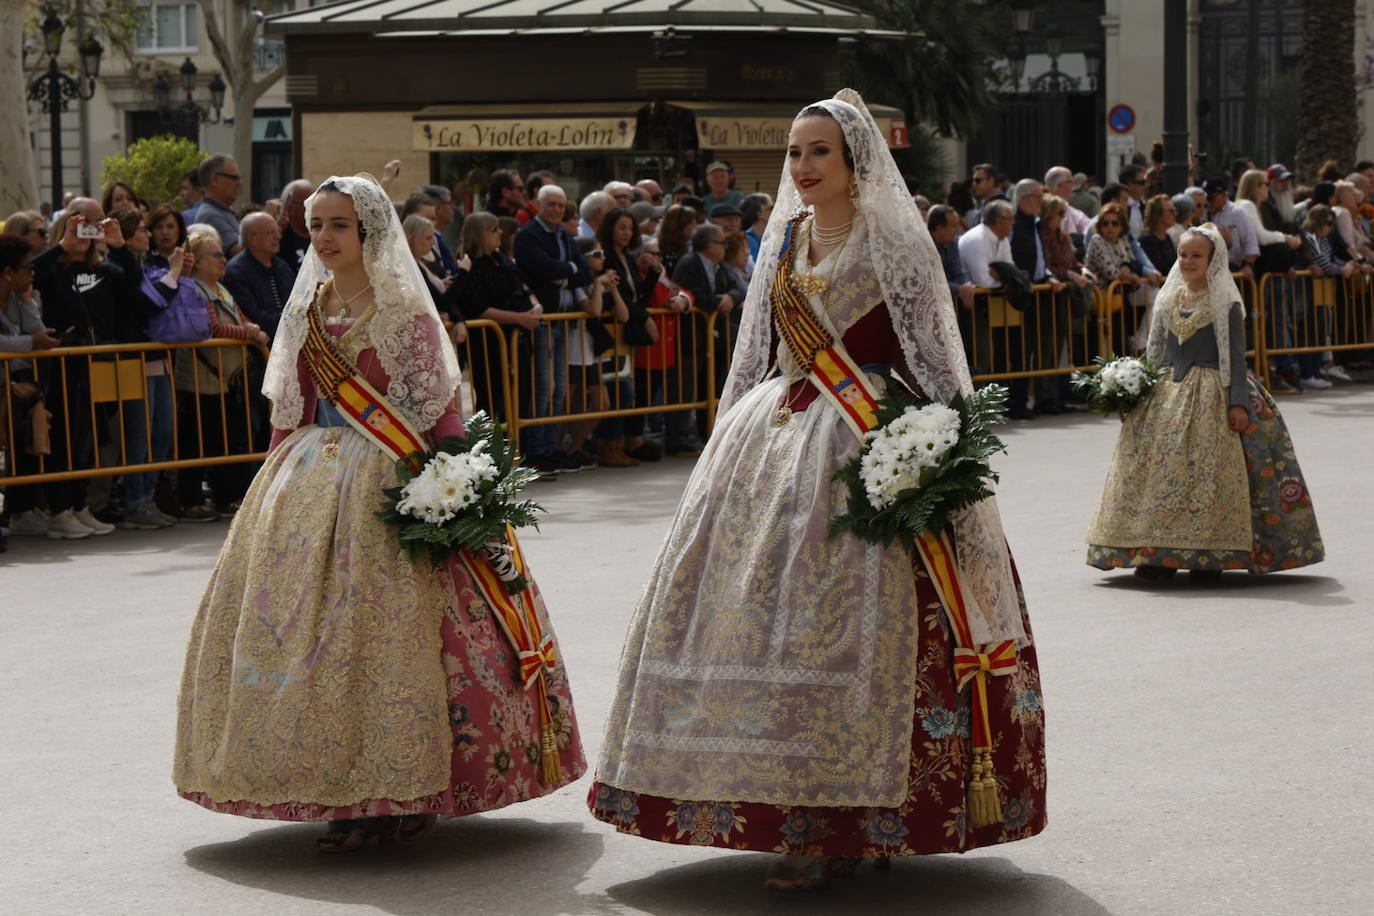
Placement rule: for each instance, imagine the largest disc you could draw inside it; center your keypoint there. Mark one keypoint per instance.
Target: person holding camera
(83, 292)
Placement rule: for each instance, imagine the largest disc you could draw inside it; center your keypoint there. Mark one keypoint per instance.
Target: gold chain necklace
(348, 300)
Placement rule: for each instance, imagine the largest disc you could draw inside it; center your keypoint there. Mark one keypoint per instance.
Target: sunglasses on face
(598, 253)
(232, 176)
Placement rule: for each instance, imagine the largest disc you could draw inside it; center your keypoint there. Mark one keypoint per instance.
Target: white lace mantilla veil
(1222, 292)
(913, 283)
(402, 324)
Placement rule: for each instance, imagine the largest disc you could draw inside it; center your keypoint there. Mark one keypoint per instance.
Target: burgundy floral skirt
(494, 722)
(933, 818)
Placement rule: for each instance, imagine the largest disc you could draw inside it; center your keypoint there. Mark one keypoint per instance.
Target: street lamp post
(189, 108)
(53, 89)
(1175, 96)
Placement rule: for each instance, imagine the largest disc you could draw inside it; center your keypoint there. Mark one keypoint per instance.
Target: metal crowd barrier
(93, 392)
(1057, 335)
(98, 398)
(1310, 314)
(527, 379)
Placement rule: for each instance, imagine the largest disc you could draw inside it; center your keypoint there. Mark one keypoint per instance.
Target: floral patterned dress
(748, 662)
(329, 677)
(1185, 492)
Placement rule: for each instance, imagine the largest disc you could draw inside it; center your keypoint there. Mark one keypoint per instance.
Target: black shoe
(110, 515)
(585, 459)
(687, 448)
(543, 465)
(1154, 573)
(565, 464)
(1204, 576)
(1022, 413)
(646, 452)
(1050, 410)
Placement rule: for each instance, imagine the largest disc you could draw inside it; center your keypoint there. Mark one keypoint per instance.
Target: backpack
(183, 319)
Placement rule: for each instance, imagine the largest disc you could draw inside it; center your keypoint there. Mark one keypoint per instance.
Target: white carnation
(918, 439)
(446, 485)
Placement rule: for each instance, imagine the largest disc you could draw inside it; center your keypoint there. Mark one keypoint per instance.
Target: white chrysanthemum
(446, 485)
(918, 439)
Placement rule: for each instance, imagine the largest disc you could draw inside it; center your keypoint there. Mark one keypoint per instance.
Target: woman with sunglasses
(1109, 258)
(28, 224)
(205, 381)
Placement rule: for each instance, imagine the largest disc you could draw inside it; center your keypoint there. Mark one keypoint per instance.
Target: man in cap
(726, 216)
(1280, 201)
(1242, 245)
(718, 176)
(646, 216)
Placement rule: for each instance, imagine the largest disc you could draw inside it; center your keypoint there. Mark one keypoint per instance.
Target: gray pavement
(1208, 747)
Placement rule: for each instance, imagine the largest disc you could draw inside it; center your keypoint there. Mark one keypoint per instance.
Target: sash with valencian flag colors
(846, 388)
(368, 412)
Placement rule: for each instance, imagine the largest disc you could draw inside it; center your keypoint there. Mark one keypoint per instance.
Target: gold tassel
(984, 807)
(551, 768)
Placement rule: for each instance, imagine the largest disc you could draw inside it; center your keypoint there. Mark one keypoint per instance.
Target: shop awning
(731, 125)
(525, 128)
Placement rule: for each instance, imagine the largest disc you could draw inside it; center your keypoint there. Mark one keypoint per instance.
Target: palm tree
(1327, 116)
(939, 74)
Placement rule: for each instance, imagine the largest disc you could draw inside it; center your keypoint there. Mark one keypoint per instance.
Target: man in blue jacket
(258, 278)
(552, 265)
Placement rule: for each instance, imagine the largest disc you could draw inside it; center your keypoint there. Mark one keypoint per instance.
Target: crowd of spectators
(997, 238)
(647, 267)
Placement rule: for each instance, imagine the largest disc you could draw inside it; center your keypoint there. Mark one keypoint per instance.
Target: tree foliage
(153, 167)
(940, 73)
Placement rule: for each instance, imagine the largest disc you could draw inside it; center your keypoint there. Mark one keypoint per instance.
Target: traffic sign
(1121, 119)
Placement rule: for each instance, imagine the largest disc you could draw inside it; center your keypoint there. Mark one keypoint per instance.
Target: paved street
(1209, 747)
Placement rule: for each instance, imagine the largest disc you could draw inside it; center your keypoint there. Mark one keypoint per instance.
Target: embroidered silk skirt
(329, 676)
(1278, 520)
(785, 691)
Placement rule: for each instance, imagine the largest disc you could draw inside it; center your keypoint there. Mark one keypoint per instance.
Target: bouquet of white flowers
(1119, 384)
(463, 496)
(924, 461)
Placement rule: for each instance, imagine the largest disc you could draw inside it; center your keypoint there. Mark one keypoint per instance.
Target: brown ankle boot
(610, 455)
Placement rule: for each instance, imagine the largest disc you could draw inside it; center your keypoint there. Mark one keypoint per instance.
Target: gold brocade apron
(845, 387)
(491, 569)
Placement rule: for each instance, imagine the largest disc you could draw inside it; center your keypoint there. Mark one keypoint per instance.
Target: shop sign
(764, 133)
(743, 133)
(522, 135)
(272, 130)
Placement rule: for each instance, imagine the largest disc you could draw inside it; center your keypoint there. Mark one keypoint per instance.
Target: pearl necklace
(830, 235)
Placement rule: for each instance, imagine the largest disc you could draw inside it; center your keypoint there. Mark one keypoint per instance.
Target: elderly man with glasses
(221, 181)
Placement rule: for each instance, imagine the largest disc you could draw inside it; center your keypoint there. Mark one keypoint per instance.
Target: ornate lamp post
(1053, 79)
(188, 108)
(53, 90)
(1016, 61)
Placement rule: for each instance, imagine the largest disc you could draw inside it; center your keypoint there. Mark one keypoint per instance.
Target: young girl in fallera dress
(1204, 477)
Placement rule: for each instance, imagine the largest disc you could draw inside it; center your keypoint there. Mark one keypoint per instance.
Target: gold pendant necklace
(348, 300)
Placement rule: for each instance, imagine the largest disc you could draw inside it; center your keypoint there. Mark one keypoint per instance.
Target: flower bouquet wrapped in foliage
(924, 461)
(1118, 384)
(463, 496)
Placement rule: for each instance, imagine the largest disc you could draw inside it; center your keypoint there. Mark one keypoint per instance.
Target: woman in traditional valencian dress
(1204, 477)
(329, 677)
(789, 692)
